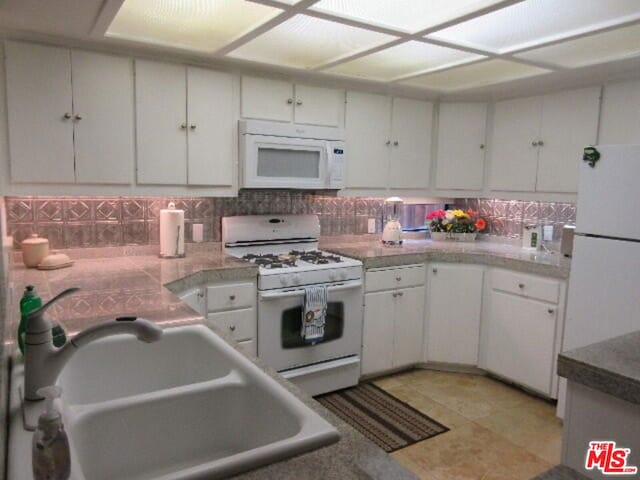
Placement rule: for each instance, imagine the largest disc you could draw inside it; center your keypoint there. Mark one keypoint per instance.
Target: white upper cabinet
(319, 106)
(569, 123)
(40, 113)
(70, 115)
(161, 122)
(213, 127)
(269, 99)
(514, 151)
(620, 119)
(186, 125)
(103, 118)
(537, 141)
(461, 146)
(368, 126)
(411, 126)
(454, 310)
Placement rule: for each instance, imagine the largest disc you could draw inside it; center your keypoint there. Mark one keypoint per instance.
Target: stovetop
(294, 258)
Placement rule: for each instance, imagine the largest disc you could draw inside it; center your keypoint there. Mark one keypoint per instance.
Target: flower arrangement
(455, 221)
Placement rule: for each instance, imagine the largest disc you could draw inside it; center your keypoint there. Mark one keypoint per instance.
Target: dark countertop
(135, 284)
(611, 366)
(369, 249)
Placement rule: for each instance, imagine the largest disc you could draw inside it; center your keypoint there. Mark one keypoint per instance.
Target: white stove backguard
(268, 229)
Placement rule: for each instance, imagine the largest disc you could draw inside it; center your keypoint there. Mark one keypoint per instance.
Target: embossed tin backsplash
(73, 222)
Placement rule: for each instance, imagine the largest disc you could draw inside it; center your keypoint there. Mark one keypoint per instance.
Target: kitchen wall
(4, 360)
(72, 222)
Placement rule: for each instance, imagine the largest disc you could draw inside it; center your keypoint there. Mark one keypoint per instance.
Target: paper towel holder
(179, 231)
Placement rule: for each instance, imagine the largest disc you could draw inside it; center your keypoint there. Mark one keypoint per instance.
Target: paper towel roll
(171, 232)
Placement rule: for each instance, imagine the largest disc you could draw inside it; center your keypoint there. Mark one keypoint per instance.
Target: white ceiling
(447, 46)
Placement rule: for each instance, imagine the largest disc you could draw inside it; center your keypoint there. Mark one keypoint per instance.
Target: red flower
(473, 213)
(436, 214)
(481, 224)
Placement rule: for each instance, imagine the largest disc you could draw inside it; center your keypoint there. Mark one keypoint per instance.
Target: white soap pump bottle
(50, 448)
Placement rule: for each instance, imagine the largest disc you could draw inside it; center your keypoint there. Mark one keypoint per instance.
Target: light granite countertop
(611, 366)
(141, 284)
(493, 252)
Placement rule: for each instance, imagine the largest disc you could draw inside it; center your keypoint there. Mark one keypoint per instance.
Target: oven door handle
(300, 291)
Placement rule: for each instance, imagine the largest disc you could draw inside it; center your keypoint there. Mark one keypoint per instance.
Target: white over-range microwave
(277, 155)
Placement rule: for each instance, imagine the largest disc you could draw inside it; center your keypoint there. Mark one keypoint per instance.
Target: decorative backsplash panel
(72, 222)
(506, 218)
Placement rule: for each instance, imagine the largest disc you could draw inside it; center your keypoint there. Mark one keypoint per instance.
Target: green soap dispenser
(29, 302)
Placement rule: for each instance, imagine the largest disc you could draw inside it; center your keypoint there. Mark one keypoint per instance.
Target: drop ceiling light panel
(475, 75)
(403, 59)
(533, 22)
(602, 47)
(305, 42)
(201, 25)
(406, 15)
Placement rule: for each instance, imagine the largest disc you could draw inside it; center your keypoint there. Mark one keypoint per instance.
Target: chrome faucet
(44, 362)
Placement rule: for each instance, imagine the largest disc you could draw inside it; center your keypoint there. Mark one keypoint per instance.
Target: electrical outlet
(197, 232)
(371, 225)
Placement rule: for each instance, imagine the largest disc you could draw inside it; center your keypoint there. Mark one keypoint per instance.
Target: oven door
(284, 162)
(279, 322)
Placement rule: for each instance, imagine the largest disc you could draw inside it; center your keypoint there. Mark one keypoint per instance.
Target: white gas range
(286, 249)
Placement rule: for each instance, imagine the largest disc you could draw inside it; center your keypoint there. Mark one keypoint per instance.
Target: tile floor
(496, 432)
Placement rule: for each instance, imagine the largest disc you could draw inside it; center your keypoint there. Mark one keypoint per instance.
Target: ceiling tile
(403, 59)
(534, 21)
(202, 25)
(406, 15)
(599, 48)
(475, 75)
(305, 42)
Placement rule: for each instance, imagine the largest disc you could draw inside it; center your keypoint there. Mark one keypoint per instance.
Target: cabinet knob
(232, 297)
(521, 285)
(298, 102)
(534, 144)
(396, 143)
(183, 126)
(289, 101)
(232, 328)
(435, 270)
(388, 142)
(540, 143)
(482, 146)
(201, 294)
(395, 294)
(66, 116)
(78, 117)
(192, 126)
(398, 279)
(400, 294)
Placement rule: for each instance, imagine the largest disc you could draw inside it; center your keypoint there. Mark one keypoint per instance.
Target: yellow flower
(458, 213)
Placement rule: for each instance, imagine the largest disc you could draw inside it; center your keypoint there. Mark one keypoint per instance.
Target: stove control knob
(296, 279)
(343, 274)
(332, 275)
(284, 280)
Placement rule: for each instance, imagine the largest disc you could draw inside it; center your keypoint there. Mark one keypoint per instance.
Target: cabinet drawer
(544, 289)
(391, 278)
(229, 297)
(248, 347)
(240, 324)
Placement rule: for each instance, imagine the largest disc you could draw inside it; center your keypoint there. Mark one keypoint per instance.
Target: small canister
(34, 250)
(531, 237)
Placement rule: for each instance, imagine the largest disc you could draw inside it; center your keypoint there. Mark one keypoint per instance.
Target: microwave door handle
(295, 293)
(328, 177)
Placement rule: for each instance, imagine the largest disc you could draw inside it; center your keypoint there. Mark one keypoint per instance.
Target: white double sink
(186, 407)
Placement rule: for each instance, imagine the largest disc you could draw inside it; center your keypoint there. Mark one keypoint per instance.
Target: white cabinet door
(569, 123)
(212, 118)
(454, 312)
(38, 99)
(319, 106)
(409, 321)
(368, 125)
(267, 99)
(620, 118)
(411, 125)
(520, 340)
(461, 142)
(377, 335)
(514, 158)
(161, 123)
(104, 130)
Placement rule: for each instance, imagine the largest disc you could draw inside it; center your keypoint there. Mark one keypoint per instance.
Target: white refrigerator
(604, 285)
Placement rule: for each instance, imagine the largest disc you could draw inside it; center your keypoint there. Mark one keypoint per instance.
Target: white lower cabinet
(393, 319)
(454, 309)
(520, 331)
